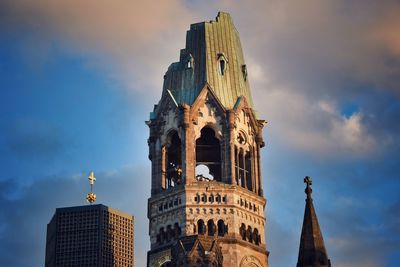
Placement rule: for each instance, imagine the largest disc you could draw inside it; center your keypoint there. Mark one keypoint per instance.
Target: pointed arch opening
(201, 228)
(173, 160)
(256, 237)
(222, 228)
(177, 230)
(208, 153)
(249, 234)
(244, 168)
(249, 178)
(242, 231)
(240, 167)
(222, 66)
(211, 227)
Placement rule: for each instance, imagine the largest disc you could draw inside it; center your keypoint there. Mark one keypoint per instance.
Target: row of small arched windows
(211, 228)
(247, 205)
(170, 204)
(249, 234)
(166, 235)
(211, 198)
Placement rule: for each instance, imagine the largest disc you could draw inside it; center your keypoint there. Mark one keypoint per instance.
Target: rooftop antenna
(91, 197)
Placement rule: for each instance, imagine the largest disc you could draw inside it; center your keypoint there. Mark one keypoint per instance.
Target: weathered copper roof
(312, 252)
(207, 44)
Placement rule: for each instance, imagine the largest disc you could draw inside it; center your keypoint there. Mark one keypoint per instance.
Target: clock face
(250, 261)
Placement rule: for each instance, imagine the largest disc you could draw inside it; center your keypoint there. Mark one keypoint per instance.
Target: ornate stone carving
(250, 261)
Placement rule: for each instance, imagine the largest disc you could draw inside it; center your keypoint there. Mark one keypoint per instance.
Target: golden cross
(91, 197)
(91, 178)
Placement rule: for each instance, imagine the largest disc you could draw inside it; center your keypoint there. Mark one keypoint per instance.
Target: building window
(222, 64)
(208, 153)
(173, 160)
(244, 71)
(242, 231)
(222, 228)
(201, 227)
(211, 227)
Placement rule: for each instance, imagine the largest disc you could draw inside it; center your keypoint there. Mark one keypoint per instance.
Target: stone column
(188, 146)
(255, 168)
(232, 156)
(163, 166)
(244, 169)
(260, 144)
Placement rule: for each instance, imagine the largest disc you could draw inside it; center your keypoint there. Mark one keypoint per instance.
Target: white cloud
(313, 125)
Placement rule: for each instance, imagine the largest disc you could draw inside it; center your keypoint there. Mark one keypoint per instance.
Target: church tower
(207, 205)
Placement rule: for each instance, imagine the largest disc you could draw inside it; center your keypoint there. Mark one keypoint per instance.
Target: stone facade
(207, 205)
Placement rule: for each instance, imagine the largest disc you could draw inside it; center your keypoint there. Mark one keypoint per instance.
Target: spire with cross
(308, 182)
(91, 197)
(312, 251)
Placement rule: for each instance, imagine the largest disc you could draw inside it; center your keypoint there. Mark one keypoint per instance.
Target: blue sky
(78, 80)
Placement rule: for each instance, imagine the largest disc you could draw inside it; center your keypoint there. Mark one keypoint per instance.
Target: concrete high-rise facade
(207, 205)
(92, 235)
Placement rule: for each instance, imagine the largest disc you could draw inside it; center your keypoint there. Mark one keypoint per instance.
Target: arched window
(222, 66)
(208, 153)
(243, 168)
(169, 233)
(222, 63)
(256, 237)
(162, 235)
(221, 228)
(242, 231)
(249, 234)
(177, 230)
(211, 227)
(173, 160)
(201, 227)
(248, 171)
(240, 168)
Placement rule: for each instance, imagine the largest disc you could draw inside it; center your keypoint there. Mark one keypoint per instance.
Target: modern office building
(91, 235)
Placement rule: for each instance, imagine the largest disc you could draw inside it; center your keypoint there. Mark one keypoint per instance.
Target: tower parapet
(205, 141)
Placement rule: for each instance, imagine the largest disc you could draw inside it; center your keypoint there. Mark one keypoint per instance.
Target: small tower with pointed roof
(312, 252)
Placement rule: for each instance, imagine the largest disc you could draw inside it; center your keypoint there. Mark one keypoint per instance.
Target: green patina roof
(206, 44)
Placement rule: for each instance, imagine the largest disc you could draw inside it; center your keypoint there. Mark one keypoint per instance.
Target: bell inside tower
(208, 154)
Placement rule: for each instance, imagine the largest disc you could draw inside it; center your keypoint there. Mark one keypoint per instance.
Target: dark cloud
(355, 239)
(34, 140)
